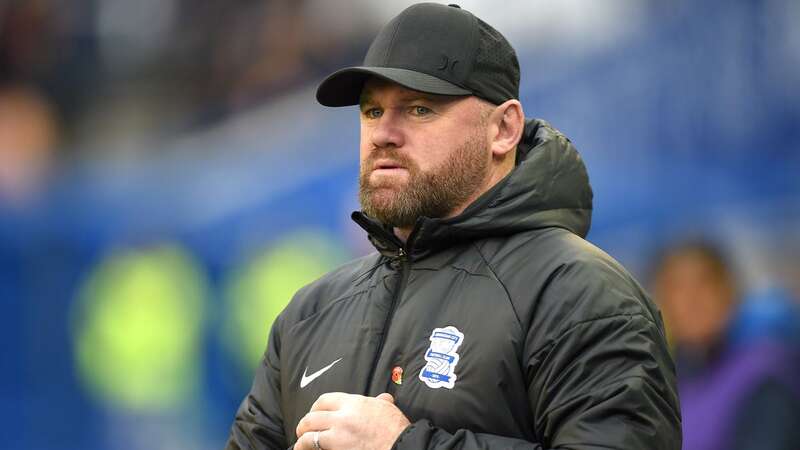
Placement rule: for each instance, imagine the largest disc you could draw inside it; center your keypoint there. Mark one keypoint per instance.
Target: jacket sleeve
(259, 423)
(601, 381)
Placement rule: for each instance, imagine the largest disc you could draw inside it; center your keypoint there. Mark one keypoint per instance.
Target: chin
(383, 199)
(397, 176)
(387, 187)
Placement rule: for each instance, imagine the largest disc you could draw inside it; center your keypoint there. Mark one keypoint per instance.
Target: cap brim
(343, 87)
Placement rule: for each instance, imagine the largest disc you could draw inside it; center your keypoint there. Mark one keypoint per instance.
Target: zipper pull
(397, 261)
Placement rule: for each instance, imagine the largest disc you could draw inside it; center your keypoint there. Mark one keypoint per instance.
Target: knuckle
(348, 419)
(323, 398)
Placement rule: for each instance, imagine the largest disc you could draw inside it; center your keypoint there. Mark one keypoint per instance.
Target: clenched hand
(348, 421)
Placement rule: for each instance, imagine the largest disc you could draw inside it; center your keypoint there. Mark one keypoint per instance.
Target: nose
(386, 131)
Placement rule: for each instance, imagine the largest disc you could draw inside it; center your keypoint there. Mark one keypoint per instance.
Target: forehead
(376, 89)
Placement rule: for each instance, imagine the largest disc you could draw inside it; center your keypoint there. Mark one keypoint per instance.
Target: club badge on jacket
(441, 358)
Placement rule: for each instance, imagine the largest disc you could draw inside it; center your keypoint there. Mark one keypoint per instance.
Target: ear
(506, 124)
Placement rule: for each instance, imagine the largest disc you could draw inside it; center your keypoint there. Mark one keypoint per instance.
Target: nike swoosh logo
(309, 378)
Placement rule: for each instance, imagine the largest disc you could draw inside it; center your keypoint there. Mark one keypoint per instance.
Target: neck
(403, 232)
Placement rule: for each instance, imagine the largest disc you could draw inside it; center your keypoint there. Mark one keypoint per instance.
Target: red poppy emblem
(397, 375)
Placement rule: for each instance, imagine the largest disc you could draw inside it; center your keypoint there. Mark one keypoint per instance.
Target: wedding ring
(316, 441)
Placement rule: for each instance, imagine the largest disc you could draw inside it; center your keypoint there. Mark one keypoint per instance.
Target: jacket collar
(549, 187)
(380, 235)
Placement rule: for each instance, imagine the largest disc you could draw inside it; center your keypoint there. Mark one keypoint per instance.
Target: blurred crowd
(98, 78)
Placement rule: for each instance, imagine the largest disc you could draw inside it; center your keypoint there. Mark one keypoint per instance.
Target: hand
(348, 421)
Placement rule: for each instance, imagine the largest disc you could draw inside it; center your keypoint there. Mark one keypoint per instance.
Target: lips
(386, 164)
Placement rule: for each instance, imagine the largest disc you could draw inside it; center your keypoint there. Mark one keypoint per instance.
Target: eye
(372, 113)
(420, 111)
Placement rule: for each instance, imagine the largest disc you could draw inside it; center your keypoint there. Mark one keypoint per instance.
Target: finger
(315, 421)
(305, 442)
(385, 397)
(330, 401)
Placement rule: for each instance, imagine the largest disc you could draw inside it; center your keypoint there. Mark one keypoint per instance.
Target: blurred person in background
(484, 320)
(734, 395)
(28, 138)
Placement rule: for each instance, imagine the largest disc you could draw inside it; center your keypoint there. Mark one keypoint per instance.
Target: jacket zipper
(402, 257)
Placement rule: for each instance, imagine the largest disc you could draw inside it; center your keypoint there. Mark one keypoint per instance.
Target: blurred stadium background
(167, 180)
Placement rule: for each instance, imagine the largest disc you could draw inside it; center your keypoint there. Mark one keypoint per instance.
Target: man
(484, 320)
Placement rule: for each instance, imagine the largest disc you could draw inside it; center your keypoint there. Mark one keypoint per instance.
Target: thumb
(386, 397)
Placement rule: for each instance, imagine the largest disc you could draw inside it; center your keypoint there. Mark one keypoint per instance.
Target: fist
(349, 421)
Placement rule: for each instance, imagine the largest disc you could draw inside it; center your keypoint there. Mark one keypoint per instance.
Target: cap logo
(447, 65)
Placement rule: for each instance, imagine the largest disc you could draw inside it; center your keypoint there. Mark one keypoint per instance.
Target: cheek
(429, 153)
(362, 156)
(364, 142)
(363, 151)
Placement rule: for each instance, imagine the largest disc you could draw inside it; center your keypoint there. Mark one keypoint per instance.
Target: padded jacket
(500, 328)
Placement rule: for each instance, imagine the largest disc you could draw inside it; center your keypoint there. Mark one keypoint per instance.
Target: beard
(435, 193)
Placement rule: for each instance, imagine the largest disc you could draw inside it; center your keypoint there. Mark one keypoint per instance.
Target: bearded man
(484, 320)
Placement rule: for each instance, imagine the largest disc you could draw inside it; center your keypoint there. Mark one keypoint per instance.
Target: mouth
(387, 166)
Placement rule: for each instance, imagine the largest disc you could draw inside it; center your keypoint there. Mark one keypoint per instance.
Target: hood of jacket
(548, 187)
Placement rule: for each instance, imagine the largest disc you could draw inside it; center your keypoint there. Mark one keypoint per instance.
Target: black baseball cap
(435, 49)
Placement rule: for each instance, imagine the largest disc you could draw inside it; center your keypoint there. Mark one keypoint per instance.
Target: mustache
(393, 155)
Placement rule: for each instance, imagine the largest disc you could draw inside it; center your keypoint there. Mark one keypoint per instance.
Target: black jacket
(511, 330)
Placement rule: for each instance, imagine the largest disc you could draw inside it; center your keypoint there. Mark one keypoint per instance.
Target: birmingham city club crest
(441, 358)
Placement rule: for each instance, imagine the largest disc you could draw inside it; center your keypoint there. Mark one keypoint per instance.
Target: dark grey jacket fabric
(511, 330)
